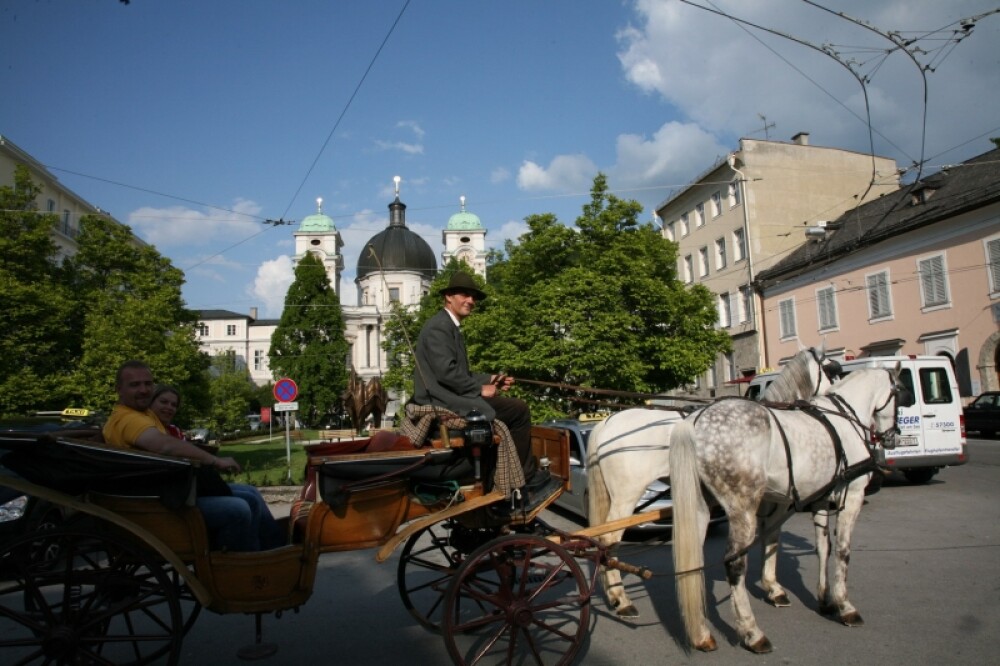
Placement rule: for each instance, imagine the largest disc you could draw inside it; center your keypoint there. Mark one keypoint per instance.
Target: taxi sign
(75, 411)
(285, 390)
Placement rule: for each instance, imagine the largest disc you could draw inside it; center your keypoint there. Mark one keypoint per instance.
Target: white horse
(744, 454)
(628, 451)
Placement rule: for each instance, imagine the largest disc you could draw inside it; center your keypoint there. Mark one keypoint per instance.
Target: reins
(616, 393)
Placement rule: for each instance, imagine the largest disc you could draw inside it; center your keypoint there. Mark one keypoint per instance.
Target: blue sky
(193, 121)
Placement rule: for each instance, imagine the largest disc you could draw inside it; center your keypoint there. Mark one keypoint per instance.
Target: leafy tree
(36, 345)
(599, 307)
(129, 301)
(308, 344)
(231, 391)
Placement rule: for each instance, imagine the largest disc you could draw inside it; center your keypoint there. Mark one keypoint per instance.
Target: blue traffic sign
(285, 390)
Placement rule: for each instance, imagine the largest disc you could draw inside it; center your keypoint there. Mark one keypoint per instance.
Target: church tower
(317, 234)
(465, 238)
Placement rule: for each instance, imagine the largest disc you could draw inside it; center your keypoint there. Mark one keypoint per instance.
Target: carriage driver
(443, 377)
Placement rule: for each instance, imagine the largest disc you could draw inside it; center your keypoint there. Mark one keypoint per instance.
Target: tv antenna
(767, 126)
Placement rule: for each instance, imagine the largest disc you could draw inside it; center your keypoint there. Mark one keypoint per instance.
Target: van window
(934, 386)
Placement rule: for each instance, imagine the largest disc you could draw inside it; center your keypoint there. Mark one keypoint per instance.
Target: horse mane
(795, 381)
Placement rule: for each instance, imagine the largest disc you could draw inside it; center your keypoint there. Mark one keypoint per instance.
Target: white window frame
(935, 293)
(699, 214)
(688, 262)
(730, 366)
(991, 246)
(720, 253)
(203, 329)
(258, 359)
(739, 245)
(725, 307)
(716, 204)
(685, 225)
(734, 194)
(670, 231)
(746, 304)
(230, 329)
(703, 261)
(786, 319)
(878, 288)
(826, 309)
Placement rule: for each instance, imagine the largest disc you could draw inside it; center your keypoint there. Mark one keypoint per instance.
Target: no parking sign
(285, 390)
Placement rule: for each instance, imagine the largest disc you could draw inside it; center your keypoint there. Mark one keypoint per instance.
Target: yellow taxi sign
(592, 416)
(76, 411)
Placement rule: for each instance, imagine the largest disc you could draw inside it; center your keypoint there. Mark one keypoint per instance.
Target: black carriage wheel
(518, 599)
(425, 570)
(98, 600)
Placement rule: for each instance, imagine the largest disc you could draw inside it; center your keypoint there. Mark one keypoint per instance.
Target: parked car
(982, 415)
(656, 496)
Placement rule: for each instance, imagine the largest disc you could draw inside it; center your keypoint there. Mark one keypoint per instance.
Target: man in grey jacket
(443, 377)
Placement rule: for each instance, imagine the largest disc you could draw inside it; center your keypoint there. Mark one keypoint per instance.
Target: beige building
(748, 211)
(916, 272)
(54, 198)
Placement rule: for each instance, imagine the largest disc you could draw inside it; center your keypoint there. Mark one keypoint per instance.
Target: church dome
(317, 223)
(397, 248)
(464, 219)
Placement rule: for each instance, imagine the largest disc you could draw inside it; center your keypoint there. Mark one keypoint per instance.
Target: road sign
(286, 407)
(285, 390)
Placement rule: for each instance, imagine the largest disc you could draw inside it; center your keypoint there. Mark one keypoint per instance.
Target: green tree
(231, 391)
(308, 344)
(36, 345)
(599, 307)
(128, 299)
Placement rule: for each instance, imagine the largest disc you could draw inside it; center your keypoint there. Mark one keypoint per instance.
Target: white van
(932, 430)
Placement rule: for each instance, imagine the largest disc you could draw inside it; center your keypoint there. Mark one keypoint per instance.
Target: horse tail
(598, 498)
(685, 488)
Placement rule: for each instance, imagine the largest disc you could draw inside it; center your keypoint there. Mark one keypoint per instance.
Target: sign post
(285, 392)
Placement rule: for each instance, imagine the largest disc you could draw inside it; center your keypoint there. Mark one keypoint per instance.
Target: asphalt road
(924, 572)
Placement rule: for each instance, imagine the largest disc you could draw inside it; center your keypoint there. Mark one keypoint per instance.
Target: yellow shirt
(126, 424)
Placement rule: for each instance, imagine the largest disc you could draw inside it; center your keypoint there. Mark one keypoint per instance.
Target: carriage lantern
(478, 433)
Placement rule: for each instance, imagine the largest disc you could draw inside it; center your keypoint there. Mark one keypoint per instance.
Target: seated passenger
(238, 522)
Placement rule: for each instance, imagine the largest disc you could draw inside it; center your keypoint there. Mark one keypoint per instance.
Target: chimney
(253, 313)
(801, 139)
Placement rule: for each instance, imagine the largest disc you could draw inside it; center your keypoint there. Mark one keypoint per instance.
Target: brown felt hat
(461, 281)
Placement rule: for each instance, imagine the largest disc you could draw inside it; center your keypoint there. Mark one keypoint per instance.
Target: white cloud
(747, 72)
(402, 146)
(412, 125)
(499, 175)
(671, 155)
(271, 284)
(182, 226)
(570, 173)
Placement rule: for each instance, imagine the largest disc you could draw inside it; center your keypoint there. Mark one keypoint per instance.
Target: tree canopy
(308, 344)
(69, 323)
(598, 306)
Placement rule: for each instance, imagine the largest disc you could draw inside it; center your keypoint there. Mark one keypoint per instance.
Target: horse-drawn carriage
(126, 583)
(127, 577)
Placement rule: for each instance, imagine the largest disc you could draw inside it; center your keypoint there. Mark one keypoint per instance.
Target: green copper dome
(318, 222)
(464, 219)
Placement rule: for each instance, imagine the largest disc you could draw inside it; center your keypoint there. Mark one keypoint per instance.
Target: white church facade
(396, 265)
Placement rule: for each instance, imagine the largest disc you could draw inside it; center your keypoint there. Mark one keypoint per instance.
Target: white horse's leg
(742, 529)
(821, 521)
(770, 533)
(614, 588)
(846, 612)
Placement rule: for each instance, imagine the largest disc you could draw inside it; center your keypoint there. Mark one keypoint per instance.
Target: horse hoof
(760, 646)
(852, 619)
(707, 645)
(781, 600)
(627, 612)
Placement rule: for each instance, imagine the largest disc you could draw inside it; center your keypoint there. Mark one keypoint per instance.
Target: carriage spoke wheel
(99, 600)
(426, 566)
(519, 599)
